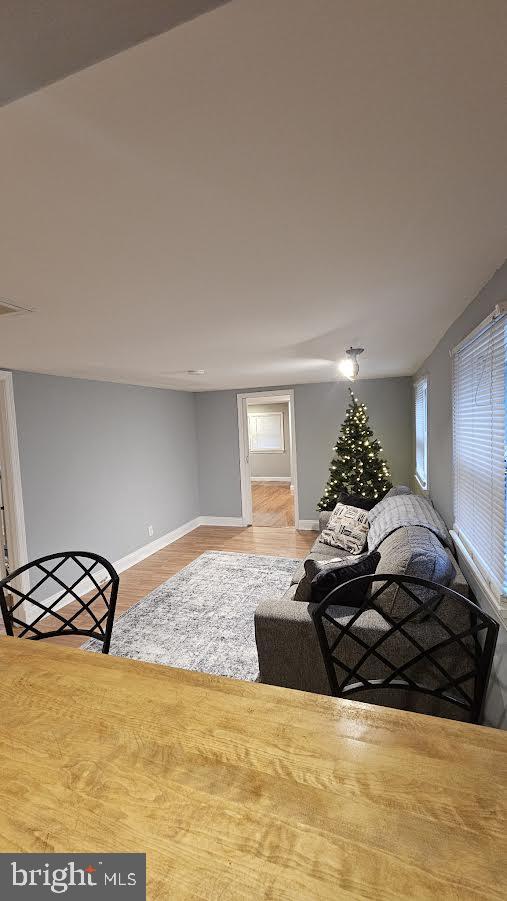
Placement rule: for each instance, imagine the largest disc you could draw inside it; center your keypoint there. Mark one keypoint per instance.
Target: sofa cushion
(298, 573)
(458, 583)
(412, 551)
(347, 529)
(324, 517)
(371, 628)
(303, 591)
(326, 576)
(322, 551)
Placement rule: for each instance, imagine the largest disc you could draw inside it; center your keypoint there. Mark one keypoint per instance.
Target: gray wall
(218, 453)
(438, 369)
(320, 409)
(100, 462)
(272, 465)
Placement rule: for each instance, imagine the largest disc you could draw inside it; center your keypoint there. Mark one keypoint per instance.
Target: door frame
(11, 480)
(268, 397)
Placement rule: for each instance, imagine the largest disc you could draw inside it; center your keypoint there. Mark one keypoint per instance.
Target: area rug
(203, 618)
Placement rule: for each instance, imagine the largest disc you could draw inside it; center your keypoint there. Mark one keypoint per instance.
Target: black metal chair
(87, 579)
(424, 642)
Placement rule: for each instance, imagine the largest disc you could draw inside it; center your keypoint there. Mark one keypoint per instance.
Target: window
(265, 432)
(421, 431)
(478, 395)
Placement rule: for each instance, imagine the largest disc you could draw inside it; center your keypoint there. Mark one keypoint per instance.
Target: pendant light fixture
(349, 366)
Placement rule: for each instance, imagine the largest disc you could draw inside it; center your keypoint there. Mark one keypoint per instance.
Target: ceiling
(43, 42)
(253, 191)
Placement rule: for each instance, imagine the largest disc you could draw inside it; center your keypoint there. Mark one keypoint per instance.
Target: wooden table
(237, 790)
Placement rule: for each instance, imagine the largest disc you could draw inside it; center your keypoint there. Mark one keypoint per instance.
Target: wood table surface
(237, 790)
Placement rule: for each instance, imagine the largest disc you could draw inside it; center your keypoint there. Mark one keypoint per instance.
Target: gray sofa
(412, 540)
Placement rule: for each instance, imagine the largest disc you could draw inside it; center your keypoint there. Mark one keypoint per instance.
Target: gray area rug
(203, 617)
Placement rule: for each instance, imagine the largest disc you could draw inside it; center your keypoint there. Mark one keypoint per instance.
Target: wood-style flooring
(138, 581)
(272, 504)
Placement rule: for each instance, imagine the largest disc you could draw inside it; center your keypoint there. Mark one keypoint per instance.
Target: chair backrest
(70, 593)
(442, 648)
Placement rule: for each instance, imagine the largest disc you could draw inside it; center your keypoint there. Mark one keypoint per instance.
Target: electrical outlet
(150, 531)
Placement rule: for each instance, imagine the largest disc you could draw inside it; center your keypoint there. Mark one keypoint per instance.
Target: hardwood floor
(272, 504)
(138, 581)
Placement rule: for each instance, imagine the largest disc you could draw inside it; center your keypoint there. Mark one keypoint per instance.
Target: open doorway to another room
(270, 464)
(267, 445)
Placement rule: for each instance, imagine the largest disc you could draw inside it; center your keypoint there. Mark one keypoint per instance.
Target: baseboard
(270, 478)
(308, 525)
(231, 521)
(126, 562)
(148, 549)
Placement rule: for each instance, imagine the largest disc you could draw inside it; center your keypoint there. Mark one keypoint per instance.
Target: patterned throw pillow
(347, 528)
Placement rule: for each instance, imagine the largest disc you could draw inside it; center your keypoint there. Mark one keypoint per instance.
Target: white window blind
(266, 432)
(421, 431)
(479, 447)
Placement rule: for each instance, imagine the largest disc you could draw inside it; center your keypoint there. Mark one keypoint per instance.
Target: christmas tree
(357, 466)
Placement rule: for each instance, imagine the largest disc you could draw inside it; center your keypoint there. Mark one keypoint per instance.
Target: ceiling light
(349, 367)
(195, 371)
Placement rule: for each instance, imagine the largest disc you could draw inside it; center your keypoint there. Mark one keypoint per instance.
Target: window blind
(421, 431)
(478, 395)
(266, 432)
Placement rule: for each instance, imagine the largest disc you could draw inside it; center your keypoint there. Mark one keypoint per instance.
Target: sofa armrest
(287, 645)
(324, 517)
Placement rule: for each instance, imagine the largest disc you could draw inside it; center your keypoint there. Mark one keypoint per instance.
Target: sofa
(411, 539)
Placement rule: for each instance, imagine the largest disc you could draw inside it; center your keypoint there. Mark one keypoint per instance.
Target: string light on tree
(357, 466)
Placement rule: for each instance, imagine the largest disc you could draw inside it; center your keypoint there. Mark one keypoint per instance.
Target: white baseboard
(124, 563)
(231, 521)
(270, 478)
(147, 550)
(308, 525)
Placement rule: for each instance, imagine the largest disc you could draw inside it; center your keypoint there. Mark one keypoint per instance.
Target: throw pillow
(314, 565)
(331, 574)
(347, 529)
(357, 500)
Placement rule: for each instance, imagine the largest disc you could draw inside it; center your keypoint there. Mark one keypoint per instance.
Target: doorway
(267, 441)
